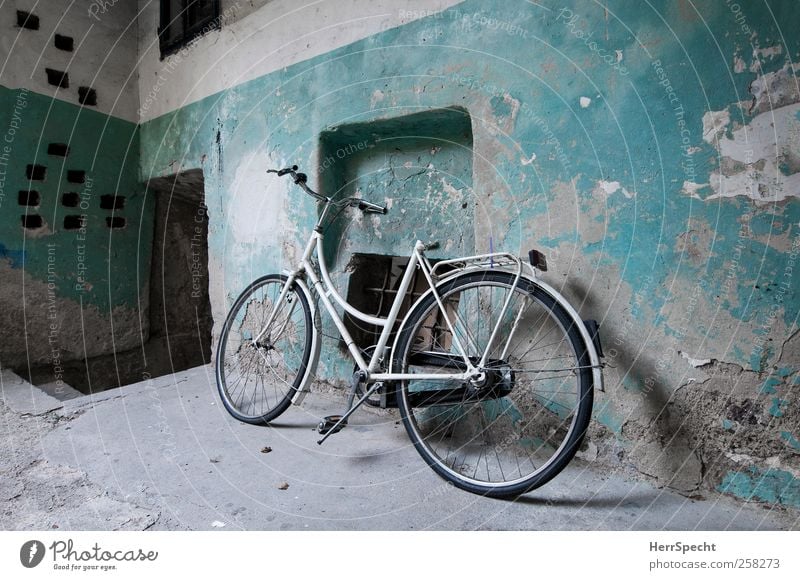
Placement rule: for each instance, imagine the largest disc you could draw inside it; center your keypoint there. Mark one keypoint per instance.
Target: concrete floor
(165, 455)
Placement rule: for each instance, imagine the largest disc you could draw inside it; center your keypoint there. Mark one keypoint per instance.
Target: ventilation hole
(115, 222)
(63, 42)
(112, 201)
(27, 20)
(31, 222)
(29, 198)
(87, 96)
(35, 172)
(76, 176)
(57, 78)
(58, 149)
(70, 199)
(73, 222)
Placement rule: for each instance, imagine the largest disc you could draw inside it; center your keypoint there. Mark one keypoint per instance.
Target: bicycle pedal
(328, 423)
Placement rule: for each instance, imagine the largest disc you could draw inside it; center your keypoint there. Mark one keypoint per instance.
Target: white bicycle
(492, 370)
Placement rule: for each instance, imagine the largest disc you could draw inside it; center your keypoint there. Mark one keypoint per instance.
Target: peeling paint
(696, 362)
(766, 151)
(773, 486)
(774, 90)
(714, 125)
(790, 440)
(775, 409)
(691, 189)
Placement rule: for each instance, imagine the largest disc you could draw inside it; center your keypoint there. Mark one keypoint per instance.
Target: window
(184, 20)
(372, 288)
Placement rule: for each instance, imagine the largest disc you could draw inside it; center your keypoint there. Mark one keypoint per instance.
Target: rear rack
(500, 260)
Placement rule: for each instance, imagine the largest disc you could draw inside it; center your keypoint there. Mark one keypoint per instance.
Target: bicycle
(491, 368)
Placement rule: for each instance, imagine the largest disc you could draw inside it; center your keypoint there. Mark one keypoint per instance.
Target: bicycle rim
(518, 427)
(257, 379)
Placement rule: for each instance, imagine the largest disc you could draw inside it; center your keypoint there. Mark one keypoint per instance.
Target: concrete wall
(61, 289)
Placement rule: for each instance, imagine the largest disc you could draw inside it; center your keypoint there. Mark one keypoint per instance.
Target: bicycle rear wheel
(257, 379)
(521, 423)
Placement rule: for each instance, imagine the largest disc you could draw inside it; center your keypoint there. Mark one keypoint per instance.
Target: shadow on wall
(665, 447)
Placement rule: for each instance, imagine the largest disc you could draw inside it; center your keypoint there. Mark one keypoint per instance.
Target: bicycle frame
(465, 359)
(325, 290)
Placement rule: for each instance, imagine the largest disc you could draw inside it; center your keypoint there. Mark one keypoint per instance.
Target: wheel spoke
(512, 423)
(258, 380)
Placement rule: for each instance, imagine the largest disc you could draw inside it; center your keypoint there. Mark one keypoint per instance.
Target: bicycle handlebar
(368, 207)
(281, 172)
(301, 178)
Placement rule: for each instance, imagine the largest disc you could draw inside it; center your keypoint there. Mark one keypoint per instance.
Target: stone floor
(165, 455)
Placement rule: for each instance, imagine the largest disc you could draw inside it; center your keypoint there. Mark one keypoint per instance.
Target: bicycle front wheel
(521, 422)
(260, 367)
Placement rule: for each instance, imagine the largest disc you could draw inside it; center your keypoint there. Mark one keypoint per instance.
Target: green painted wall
(75, 278)
(588, 130)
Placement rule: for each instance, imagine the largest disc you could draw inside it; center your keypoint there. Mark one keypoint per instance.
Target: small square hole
(76, 176)
(115, 222)
(64, 42)
(87, 96)
(27, 20)
(58, 149)
(29, 198)
(57, 78)
(112, 201)
(73, 222)
(36, 172)
(70, 199)
(32, 222)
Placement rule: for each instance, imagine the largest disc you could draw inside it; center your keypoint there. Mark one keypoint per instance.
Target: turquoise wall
(587, 122)
(75, 278)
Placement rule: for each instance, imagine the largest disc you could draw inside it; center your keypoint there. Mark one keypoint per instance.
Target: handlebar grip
(283, 171)
(371, 208)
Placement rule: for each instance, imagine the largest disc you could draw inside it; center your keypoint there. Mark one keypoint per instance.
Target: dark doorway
(180, 310)
(178, 318)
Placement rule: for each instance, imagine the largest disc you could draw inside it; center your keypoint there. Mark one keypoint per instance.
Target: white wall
(254, 42)
(104, 55)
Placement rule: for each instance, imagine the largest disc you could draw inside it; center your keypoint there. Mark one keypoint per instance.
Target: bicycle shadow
(627, 500)
(661, 437)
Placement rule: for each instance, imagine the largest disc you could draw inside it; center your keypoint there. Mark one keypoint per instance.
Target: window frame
(188, 34)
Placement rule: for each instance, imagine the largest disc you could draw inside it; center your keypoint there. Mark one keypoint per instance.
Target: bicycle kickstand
(335, 423)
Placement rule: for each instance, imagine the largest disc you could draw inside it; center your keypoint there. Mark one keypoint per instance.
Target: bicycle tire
(429, 425)
(295, 356)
